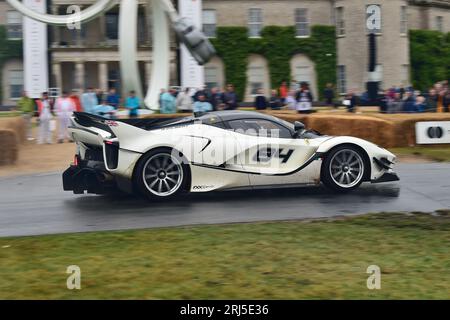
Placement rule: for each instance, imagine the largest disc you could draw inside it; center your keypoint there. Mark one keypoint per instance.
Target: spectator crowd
(401, 100)
(296, 96)
(56, 112)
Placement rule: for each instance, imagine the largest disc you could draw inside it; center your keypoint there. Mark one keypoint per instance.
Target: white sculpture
(199, 46)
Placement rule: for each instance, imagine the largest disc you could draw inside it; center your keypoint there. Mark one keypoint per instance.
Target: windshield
(286, 123)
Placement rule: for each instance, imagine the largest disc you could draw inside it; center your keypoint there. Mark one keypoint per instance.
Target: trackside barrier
(12, 134)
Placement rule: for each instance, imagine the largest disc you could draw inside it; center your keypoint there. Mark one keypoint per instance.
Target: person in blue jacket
(202, 105)
(410, 102)
(89, 100)
(132, 103)
(260, 100)
(105, 110)
(168, 102)
(420, 104)
(113, 99)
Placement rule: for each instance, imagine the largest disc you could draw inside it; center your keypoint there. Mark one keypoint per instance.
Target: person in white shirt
(45, 118)
(184, 101)
(64, 109)
(304, 99)
(291, 102)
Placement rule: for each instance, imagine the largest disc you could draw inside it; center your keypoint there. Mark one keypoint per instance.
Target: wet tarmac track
(32, 205)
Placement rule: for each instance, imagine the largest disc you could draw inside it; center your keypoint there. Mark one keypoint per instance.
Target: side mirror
(299, 127)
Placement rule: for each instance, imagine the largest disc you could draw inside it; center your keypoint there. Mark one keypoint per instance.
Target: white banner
(192, 75)
(35, 51)
(433, 132)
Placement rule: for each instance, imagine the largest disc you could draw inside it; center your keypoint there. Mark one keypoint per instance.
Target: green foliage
(232, 46)
(278, 45)
(430, 57)
(8, 49)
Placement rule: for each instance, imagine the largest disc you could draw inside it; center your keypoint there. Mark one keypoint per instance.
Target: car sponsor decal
(111, 123)
(264, 155)
(202, 187)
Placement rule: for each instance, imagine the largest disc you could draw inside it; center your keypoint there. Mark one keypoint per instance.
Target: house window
(209, 23)
(440, 23)
(340, 22)
(211, 77)
(142, 29)
(403, 20)
(301, 22)
(256, 79)
(15, 83)
(342, 83)
(333, 16)
(255, 22)
(14, 21)
(112, 26)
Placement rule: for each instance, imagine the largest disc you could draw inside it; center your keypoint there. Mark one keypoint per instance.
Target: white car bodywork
(218, 157)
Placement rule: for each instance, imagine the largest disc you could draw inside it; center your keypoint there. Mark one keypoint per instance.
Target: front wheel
(344, 169)
(161, 174)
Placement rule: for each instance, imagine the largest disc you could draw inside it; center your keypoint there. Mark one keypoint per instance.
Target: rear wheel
(161, 173)
(344, 169)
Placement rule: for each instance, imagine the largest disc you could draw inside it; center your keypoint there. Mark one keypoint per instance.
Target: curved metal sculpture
(198, 45)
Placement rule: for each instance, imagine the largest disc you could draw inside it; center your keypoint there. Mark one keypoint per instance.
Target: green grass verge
(289, 260)
(436, 153)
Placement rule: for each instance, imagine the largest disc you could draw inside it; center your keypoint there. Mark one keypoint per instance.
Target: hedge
(430, 57)
(278, 45)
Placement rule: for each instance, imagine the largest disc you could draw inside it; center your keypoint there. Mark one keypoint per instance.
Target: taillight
(111, 142)
(75, 160)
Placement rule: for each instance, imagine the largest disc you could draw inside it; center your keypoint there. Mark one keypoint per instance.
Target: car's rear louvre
(94, 153)
(112, 154)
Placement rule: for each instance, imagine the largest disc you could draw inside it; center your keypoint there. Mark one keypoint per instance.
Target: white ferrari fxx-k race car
(224, 150)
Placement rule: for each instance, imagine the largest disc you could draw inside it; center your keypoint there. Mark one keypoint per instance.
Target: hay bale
(16, 124)
(9, 147)
(375, 130)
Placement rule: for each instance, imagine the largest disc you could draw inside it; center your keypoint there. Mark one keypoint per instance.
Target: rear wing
(88, 128)
(92, 120)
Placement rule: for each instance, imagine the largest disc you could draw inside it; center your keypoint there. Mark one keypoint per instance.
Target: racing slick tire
(344, 168)
(161, 173)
